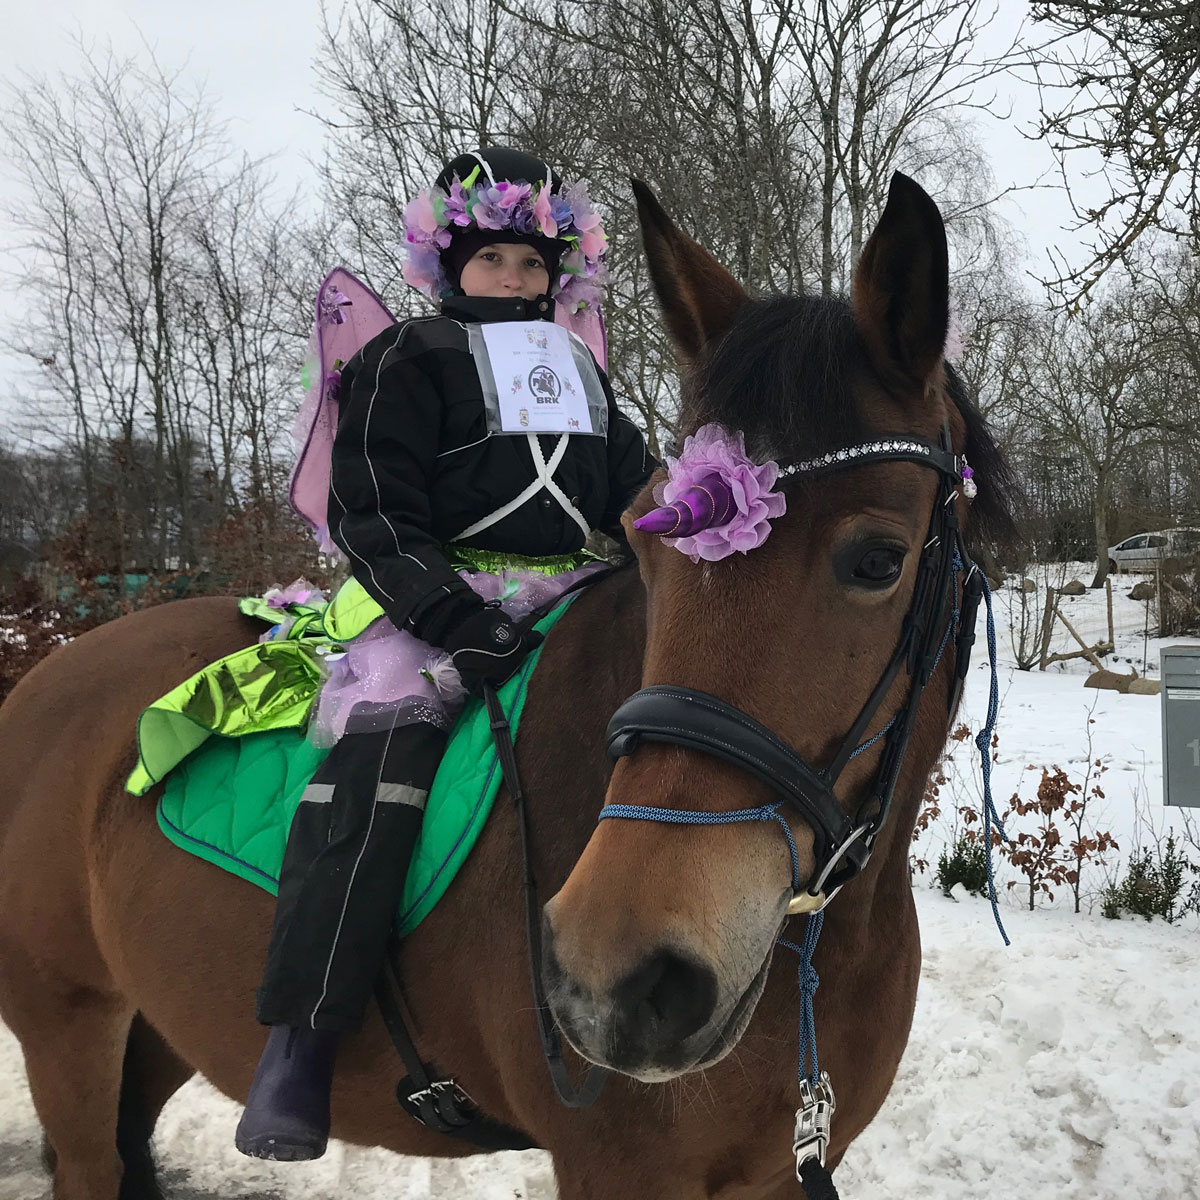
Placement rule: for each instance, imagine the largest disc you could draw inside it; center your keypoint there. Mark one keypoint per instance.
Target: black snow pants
(343, 875)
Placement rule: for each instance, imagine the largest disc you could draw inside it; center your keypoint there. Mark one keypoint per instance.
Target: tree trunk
(1100, 517)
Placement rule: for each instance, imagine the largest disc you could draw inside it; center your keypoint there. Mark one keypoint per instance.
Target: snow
(1066, 1066)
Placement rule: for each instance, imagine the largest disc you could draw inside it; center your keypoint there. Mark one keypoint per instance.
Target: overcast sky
(255, 58)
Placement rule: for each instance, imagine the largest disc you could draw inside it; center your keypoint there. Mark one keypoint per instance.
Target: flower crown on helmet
(434, 215)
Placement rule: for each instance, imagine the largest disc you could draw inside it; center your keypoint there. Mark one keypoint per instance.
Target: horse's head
(659, 942)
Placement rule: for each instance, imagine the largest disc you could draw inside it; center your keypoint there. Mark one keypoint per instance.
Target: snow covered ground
(1045, 721)
(1065, 1066)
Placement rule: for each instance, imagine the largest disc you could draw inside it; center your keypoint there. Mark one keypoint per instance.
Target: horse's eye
(879, 567)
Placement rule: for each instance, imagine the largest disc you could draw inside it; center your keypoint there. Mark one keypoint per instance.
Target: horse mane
(784, 374)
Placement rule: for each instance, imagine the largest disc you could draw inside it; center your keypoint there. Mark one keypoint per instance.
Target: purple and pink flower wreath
(532, 208)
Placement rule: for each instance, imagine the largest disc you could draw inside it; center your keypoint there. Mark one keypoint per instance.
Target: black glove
(486, 647)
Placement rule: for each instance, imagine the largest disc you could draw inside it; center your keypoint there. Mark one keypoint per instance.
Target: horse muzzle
(668, 1014)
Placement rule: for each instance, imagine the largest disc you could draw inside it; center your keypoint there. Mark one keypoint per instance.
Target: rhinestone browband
(887, 448)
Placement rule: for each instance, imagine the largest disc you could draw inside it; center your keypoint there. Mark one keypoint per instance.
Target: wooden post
(1088, 652)
(1158, 581)
(1047, 626)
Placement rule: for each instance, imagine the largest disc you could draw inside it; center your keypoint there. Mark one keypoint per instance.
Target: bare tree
(163, 330)
(1093, 384)
(1170, 274)
(716, 103)
(119, 162)
(1122, 87)
(890, 82)
(997, 320)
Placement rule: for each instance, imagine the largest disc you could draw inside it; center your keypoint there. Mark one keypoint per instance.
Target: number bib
(537, 377)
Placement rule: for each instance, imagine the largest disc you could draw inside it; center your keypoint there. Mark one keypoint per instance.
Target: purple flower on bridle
(716, 500)
(970, 488)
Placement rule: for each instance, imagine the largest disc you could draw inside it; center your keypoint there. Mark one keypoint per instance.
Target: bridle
(696, 720)
(682, 716)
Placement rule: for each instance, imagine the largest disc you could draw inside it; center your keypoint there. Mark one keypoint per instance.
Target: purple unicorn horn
(707, 504)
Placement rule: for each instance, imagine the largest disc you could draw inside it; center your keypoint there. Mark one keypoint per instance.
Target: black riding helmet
(497, 164)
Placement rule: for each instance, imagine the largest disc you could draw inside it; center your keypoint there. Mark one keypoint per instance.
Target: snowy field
(1065, 1066)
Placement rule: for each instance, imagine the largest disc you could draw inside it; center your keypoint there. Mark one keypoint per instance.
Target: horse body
(116, 922)
(126, 966)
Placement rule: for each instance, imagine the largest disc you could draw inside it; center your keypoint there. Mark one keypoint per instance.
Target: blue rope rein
(812, 931)
(808, 978)
(809, 982)
(983, 742)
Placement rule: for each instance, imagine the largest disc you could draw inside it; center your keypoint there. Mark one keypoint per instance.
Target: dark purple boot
(287, 1111)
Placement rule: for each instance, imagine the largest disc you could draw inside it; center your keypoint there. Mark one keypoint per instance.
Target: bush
(965, 863)
(1150, 888)
(1179, 613)
(29, 630)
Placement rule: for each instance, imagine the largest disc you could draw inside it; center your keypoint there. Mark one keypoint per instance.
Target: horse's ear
(901, 293)
(698, 296)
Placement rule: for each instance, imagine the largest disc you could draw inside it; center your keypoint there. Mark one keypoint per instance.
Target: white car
(1144, 551)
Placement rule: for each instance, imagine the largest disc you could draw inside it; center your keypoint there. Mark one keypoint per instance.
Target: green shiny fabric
(351, 612)
(270, 685)
(232, 802)
(493, 561)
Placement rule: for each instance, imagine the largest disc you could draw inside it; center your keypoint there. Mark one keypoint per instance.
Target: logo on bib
(545, 385)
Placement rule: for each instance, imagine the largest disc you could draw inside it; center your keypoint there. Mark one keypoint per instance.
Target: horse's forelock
(783, 374)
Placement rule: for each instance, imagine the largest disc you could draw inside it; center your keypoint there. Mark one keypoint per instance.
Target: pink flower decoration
(420, 218)
(432, 215)
(542, 215)
(456, 204)
(300, 591)
(512, 193)
(594, 241)
(573, 262)
(576, 196)
(423, 268)
(713, 448)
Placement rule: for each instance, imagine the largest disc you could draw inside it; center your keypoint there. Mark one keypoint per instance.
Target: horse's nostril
(667, 999)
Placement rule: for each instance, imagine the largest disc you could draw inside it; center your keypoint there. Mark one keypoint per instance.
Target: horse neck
(592, 661)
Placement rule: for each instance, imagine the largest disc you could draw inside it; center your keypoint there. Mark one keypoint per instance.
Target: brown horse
(126, 966)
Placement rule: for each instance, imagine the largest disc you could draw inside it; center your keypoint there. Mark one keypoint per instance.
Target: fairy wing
(348, 315)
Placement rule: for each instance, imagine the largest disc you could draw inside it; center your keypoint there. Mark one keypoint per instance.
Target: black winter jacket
(413, 466)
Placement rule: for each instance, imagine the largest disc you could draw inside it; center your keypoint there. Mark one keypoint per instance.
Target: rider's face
(507, 269)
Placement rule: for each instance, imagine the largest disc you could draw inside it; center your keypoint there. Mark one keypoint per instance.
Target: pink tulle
(396, 678)
(713, 448)
(298, 592)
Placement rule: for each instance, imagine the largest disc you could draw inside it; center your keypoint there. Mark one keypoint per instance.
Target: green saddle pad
(231, 801)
